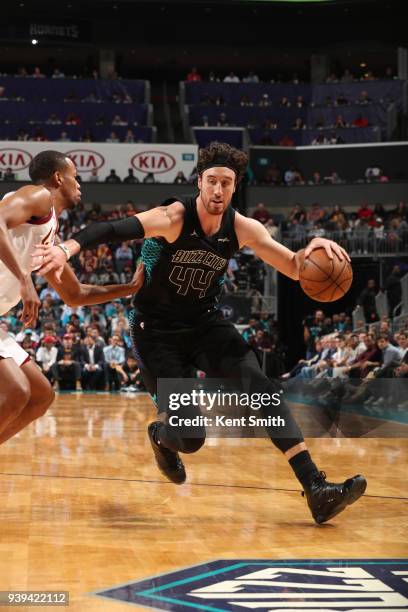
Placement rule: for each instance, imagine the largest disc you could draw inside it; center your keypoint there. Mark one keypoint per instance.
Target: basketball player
(178, 325)
(28, 216)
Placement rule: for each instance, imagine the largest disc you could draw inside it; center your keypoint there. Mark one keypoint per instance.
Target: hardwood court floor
(83, 506)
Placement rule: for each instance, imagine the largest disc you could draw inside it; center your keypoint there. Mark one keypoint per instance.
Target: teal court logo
(319, 585)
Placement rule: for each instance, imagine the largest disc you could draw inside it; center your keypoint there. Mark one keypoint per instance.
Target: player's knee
(16, 396)
(192, 445)
(44, 401)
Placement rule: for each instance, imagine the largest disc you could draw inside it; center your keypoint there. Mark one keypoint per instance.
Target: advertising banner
(164, 161)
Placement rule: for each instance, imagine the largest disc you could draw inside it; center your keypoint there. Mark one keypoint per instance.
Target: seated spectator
(46, 355)
(251, 77)
(180, 178)
(149, 178)
(340, 122)
(117, 120)
(360, 121)
(64, 137)
(38, 135)
(316, 213)
(297, 213)
(114, 356)
(341, 100)
(94, 176)
(300, 102)
(37, 74)
(22, 135)
(130, 179)
(273, 175)
(347, 76)
(67, 370)
(264, 102)
(132, 376)
(123, 256)
(129, 137)
(193, 75)
(9, 175)
(299, 124)
(333, 179)
(285, 102)
(113, 138)
(112, 177)
(316, 178)
(332, 78)
(87, 136)
(272, 228)
(364, 98)
(222, 120)
(231, 78)
(53, 120)
(57, 74)
(338, 218)
(27, 345)
(72, 119)
(286, 141)
(319, 140)
(92, 365)
(364, 212)
(261, 214)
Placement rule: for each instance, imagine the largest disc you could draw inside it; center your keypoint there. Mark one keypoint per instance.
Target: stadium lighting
(34, 41)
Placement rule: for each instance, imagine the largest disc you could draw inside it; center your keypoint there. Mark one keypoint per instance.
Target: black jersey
(183, 279)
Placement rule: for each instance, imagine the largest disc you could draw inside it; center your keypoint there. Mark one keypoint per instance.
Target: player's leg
(38, 393)
(221, 352)
(161, 356)
(14, 392)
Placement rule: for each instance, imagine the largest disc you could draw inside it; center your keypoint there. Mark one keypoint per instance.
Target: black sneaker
(168, 462)
(326, 499)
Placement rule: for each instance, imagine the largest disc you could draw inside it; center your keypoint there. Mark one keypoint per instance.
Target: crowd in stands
(292, 176)
(347, 76)
(343, 364)
(359, 231)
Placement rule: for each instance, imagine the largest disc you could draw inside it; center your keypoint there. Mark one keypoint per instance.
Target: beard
(212, 208)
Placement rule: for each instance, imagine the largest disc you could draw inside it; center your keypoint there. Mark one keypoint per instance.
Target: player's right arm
(162, 221)
(16, 209)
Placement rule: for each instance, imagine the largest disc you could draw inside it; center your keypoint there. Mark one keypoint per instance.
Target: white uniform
(23, 238)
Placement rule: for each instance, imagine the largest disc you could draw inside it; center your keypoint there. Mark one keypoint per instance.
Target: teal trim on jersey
(151, 251)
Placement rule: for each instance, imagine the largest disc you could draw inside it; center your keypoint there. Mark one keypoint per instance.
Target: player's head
(220, 167)
(55, 170)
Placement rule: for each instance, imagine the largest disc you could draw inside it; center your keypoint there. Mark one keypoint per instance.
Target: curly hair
(219, 153)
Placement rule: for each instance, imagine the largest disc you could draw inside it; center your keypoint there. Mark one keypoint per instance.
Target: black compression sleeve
(109, 231)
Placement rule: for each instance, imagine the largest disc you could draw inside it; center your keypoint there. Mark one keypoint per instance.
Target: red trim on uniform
(41, 220)
(26, 360)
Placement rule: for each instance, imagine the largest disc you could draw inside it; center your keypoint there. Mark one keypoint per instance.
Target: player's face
(69, 186)
(216, 186)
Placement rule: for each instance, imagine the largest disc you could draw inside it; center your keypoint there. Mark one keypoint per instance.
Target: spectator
(117, 120)
(360, 121)
(273, 175)
(57, 74)
(133, 378)
(347, 76)
(92, 365)
(129, 136)
(123, 256)
(22, 135)
(67, 369)
(316, 178)
(251, 77)
(319, 140)
(64, 137)
(94, 176)
(114, 356)
(9, 175)
(299, 124)
(113, 138)
(46, 355)
(231, 78)
(366, 299)
(131, 179)
(316, 213)
(37, 74)
(180, 178)
(364, 212)
(286, 141)
(340, 122)
(112, 178)
(391, 355)
(193, 75)
(261, 214)
(272, 228)
(149, 178)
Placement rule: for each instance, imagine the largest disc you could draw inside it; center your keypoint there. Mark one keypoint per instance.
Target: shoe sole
(176, 480)
(357, 490)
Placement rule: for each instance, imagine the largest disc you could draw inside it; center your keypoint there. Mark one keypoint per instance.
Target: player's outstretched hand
(329, 246)
(31, 302)
(51, 258)
(138, 279)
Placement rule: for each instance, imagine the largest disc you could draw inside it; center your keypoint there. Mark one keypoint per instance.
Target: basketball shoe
(327, 499)
(168, 462)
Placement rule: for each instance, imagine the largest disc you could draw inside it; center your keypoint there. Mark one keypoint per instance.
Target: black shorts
(215, 347)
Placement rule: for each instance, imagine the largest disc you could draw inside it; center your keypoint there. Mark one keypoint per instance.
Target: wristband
(64, 249)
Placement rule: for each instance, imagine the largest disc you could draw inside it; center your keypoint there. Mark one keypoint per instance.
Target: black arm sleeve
(109, 231)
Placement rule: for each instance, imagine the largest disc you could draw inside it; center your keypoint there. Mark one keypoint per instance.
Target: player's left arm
(253, 234)
(74, 293)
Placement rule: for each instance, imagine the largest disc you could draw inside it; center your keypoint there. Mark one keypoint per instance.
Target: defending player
(29, 216)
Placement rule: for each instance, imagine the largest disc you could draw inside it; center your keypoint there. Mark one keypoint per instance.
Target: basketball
(324, 279)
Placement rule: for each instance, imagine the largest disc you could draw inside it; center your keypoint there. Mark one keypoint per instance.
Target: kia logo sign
(86, 160)
(153, 161)
(16, 159)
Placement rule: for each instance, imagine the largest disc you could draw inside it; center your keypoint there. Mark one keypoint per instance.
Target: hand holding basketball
(325, 274)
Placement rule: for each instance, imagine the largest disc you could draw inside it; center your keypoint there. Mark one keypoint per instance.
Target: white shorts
(9, 348)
